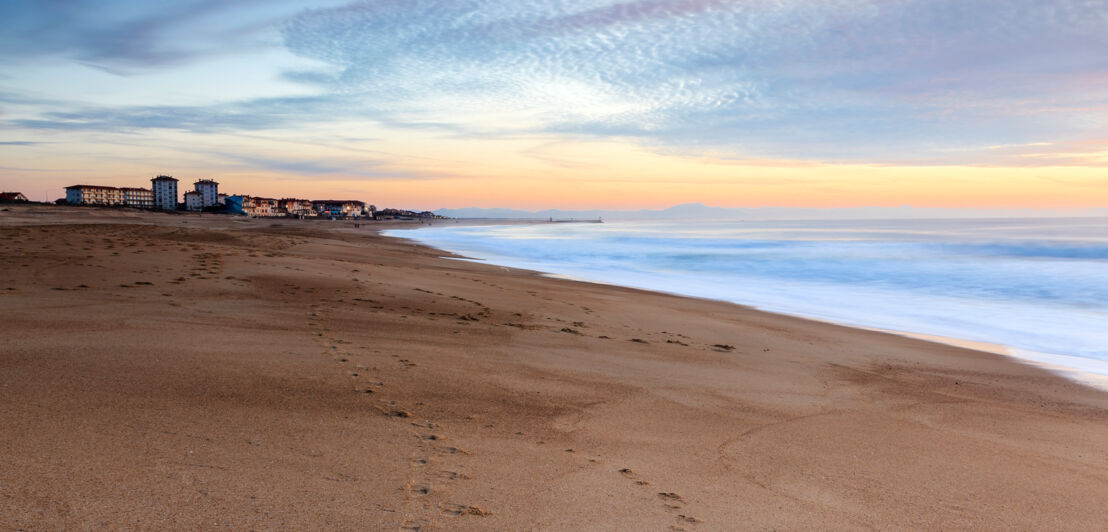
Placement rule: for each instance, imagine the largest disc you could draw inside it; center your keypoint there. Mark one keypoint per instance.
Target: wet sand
(179, 371)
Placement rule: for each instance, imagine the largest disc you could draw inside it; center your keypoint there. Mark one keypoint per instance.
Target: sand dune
(179, 371)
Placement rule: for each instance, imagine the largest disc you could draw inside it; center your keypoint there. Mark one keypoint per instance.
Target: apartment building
(142, 198)
(165, 192)
(208, 191)
(93, 195)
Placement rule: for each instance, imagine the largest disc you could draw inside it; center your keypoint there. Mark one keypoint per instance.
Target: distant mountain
(688, 210)
(497, 213)
(701, 211)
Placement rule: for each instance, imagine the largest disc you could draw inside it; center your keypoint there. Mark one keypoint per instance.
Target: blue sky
(921, 83)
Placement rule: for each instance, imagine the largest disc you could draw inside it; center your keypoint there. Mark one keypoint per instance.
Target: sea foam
(1039, 287)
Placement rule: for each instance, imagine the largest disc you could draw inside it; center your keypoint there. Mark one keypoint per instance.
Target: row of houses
(263, 207)
(162, 195)
(402, 214)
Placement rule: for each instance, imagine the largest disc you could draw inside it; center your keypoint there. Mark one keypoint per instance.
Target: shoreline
(1071, 367)
(161, 368)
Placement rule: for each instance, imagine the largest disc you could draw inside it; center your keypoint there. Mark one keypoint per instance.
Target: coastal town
(164, 195)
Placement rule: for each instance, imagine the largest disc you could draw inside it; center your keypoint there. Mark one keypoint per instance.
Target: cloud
(126, 34)
(831, 80)
(825, 79)
(252, 115)
(334, 169)
(300, 167)
(260, 114)
(132, 36)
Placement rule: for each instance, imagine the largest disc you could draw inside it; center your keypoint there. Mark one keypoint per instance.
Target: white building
(142, 198)
(194, 201)
(208, 191)
(93, 195)
(105, 195)
(165, 192)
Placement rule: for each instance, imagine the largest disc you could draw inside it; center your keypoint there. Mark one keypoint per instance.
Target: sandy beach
(181, 371)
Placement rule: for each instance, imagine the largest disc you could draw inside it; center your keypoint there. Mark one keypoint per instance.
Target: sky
(565, 103)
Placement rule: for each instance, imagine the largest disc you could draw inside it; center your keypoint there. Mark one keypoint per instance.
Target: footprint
(451, 475)
(462, 509)
(670, 496)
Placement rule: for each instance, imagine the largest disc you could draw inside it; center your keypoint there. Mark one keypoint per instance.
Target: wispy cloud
(131, 36)
(830, 80)
(126, 34)
(300, 167)
(259, 114)
(845, 79)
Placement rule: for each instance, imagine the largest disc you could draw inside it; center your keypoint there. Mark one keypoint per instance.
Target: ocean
(1037, 288)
